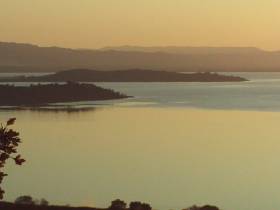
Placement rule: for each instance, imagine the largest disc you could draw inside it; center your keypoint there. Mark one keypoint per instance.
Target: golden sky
(98, 23)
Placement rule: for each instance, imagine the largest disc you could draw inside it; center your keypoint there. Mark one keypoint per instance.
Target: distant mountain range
(16, 57)
(186, 50)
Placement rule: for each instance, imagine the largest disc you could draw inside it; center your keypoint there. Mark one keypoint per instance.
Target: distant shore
(133, 75)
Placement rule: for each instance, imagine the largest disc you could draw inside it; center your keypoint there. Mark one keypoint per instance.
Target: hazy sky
(98, 23)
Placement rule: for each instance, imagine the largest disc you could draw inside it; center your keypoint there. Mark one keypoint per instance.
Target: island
(133, 75)
(36, 95)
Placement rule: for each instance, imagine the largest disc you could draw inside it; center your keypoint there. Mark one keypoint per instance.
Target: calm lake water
(173, 145)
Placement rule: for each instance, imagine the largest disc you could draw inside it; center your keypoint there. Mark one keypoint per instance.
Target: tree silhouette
(25, 200)
(136, 205)
(9, 141)
(44, 202)
(206, 207)
(117, 205)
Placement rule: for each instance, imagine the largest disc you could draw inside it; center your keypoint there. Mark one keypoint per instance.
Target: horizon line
(140, 46)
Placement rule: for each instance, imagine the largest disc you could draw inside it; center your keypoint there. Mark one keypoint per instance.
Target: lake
(173, 145)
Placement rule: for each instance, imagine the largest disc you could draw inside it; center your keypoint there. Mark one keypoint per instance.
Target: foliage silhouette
(206, 207)
(118, 205)
(115, 205)
(9, 141)
(28, 200)
(44, 202)
(25, 200)
(136, 205)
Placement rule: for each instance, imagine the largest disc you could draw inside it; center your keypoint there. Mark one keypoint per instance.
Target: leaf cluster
(9, 141)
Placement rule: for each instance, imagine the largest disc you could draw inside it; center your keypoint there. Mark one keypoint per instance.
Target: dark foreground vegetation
(12, 206)
(135, 75)
(26, 203)
(9, 141)
(54, 93)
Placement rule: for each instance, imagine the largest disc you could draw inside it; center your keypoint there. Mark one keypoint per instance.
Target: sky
(100, 23)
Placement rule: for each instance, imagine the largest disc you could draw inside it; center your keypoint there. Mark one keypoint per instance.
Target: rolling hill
(16, 57)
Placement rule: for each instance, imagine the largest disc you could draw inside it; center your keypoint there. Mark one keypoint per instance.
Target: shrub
(118, 205)
(25, 200)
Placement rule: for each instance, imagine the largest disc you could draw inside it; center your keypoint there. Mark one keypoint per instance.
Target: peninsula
(35, 95)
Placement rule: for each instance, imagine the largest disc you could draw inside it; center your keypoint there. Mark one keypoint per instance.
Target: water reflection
(55, 109)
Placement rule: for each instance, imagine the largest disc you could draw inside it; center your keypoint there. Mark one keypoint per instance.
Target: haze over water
(174, 145)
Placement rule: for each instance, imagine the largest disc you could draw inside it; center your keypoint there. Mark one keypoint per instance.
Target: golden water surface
(169, 157)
